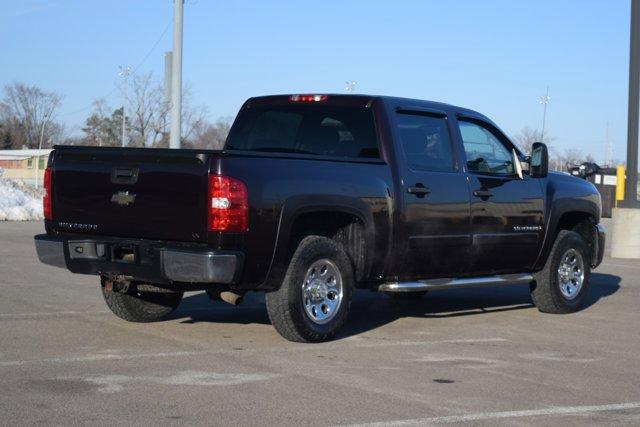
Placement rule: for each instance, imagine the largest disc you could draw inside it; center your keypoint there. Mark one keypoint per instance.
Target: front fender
(565, 195)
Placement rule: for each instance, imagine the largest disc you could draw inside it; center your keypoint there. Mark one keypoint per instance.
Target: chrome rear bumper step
(466, 282)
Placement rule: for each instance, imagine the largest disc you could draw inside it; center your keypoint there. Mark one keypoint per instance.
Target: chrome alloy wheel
(571, 274)
(322, 291)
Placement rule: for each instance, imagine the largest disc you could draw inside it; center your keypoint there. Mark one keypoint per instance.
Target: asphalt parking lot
(483, 356)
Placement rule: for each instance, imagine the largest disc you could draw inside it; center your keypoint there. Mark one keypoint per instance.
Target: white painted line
(353, 342)
(17, 316)
(100, 357)
(117, 383)
(479, 416)
(473, 340)
(558, 357)
(615, 264)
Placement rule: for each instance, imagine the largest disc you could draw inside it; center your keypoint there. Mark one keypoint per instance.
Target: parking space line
(103, 357)
(616, 264)
(17, 316)
(480, 416)
(347, 343)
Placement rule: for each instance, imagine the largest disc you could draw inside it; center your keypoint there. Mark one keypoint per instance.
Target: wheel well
(344, 228)
(583, 224)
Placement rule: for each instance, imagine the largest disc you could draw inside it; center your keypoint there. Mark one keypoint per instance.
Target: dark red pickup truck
(313, 196)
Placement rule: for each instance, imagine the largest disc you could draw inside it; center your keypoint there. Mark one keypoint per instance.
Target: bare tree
(527, 136)
(149, 113)
(29, 112)
(570, 157)
(211, 136)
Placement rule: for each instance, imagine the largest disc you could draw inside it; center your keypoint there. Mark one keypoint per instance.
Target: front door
(506, 211)
(435, 217)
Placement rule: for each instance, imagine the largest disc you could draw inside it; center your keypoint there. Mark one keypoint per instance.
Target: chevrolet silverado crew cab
(313, 196)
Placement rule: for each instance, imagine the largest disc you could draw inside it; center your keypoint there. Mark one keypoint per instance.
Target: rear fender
(297, 206)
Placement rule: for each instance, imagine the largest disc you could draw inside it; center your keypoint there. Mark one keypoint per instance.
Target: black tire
(285, 306)
(545, 290)
(141, 307)
(406, 296)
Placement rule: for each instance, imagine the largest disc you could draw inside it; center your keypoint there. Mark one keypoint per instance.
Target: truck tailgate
(141, 193)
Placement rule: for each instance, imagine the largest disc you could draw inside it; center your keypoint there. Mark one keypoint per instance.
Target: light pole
(124, 73)
(631, 183)
(544, 100)
(176, 76)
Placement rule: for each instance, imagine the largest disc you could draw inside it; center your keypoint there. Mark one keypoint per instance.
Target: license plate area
(125, 254)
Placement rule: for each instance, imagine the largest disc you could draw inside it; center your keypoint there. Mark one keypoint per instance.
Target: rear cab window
(312, 129)
(425, 141)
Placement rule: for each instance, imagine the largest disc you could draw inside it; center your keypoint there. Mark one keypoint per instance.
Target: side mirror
(539, 166)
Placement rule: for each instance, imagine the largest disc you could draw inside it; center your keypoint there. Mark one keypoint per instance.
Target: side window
(485, 152)
(426, 142)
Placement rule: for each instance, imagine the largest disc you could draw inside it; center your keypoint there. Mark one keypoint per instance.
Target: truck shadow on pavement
(371, 310)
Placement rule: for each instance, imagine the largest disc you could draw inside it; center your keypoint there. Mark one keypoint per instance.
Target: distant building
(21, 164)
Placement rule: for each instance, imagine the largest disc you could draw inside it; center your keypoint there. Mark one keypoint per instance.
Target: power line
(133, 70)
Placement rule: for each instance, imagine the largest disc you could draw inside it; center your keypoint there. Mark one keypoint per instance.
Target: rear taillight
(46, 195)
(308, 98)
(228, 204)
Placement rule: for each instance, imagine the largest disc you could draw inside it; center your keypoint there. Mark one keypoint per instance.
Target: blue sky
(493, 56)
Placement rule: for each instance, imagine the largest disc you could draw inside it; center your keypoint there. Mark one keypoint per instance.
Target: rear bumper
(153, 261)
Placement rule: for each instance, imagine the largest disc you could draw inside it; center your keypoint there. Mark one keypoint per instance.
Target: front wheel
(313, 302)
(135, 306)
(562, 285)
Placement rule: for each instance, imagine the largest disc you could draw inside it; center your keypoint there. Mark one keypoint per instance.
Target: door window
(484, 150)
(426, 142)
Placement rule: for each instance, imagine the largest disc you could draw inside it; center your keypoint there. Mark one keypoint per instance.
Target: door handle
(482, 193)
(419, 190)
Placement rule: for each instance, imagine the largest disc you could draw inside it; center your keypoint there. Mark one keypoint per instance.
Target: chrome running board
(465, 282)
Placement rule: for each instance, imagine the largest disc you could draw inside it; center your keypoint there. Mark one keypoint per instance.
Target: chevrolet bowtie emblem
(123, 198)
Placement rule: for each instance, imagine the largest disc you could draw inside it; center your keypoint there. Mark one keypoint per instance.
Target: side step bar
(466, 282)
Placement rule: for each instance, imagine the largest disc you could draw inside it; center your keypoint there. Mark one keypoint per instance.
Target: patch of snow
(19, 202)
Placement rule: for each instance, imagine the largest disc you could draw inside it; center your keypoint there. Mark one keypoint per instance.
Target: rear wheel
(313, 302)
(562, 285)
(137, 306)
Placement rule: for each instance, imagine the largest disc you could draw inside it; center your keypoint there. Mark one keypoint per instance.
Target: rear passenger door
(506, 211)
(435, 217)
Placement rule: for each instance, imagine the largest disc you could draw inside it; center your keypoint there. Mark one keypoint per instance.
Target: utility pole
(607, 146)
(176, 76)
(544, 100)
(124, 73)
(631, 183)
(167, 80)
(44, 123)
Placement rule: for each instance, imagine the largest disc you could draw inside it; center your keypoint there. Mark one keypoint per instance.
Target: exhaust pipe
(231, 297)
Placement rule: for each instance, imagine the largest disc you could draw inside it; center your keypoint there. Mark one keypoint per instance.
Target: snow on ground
(19, 201)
